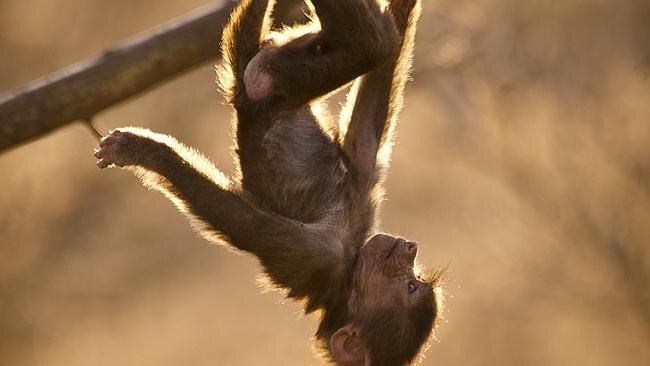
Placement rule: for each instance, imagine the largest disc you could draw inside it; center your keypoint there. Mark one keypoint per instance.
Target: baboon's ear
(347, 347)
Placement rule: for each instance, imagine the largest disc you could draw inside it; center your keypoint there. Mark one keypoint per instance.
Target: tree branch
(81, 90)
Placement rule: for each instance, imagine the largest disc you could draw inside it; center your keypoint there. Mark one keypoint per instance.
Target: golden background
(522, 163)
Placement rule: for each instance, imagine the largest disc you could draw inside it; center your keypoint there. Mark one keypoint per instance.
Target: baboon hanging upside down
(306, 196)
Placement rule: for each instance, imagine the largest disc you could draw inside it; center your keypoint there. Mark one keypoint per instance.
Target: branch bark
(82, 90)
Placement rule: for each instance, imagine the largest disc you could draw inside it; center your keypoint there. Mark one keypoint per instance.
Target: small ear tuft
(347, 346)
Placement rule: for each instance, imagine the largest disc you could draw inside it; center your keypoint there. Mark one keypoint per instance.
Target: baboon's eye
(412, 287)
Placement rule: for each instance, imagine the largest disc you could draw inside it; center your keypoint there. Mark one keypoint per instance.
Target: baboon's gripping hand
(123, 149)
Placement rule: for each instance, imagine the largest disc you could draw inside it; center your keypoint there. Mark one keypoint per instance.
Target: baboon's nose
(412, 247)
(410, 250)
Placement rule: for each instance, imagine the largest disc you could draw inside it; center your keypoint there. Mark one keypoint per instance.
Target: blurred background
(522, 164)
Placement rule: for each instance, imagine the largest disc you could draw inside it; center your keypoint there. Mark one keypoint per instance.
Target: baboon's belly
(300, 171)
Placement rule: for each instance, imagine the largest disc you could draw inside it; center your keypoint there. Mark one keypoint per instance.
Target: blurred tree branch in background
(82, 90)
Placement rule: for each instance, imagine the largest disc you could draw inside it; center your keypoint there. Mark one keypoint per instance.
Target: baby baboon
(305, 199)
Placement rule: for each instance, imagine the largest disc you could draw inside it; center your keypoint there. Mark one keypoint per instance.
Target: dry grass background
(523, 163)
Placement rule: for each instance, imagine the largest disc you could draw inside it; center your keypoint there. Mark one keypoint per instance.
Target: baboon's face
(388, 275)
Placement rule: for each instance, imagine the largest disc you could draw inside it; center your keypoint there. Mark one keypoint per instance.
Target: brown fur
(304, 201)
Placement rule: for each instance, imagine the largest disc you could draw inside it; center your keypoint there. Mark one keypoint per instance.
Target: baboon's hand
(122, 148)
(401, 10)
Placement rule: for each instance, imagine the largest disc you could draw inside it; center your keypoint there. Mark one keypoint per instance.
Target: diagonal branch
(81, 90)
